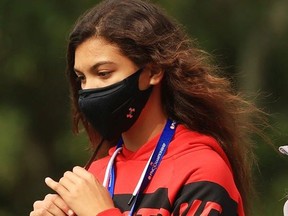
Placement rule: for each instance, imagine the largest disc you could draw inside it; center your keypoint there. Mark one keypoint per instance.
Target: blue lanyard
(150, 168)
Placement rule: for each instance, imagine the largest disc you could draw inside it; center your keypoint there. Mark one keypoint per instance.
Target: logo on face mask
(130, 114)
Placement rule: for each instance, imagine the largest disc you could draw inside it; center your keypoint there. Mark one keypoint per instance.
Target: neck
(150, 123)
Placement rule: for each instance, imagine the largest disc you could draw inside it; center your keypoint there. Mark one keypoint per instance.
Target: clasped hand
(78, 193)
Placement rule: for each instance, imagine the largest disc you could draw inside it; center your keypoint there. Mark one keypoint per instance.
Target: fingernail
(70, 212)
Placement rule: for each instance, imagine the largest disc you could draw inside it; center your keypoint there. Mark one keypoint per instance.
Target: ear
(156, 74)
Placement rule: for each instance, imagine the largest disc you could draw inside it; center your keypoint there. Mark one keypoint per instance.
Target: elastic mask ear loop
(92, 158)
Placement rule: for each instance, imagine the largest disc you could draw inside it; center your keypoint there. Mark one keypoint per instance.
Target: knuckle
(33, 213)
(42, 212)
(63, 206)
(36, 204)
(38, 212)
(48, 197)
(67, 173)
(82, 182)
(90, 176)
(61, 180)
(75, 169)
(48, 205)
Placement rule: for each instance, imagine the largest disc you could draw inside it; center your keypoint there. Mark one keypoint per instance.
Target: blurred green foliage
(249, 38)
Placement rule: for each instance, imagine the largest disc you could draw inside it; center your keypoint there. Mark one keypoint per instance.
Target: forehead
(96, 49)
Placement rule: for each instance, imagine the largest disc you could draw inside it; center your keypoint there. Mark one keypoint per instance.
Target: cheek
(144, 80)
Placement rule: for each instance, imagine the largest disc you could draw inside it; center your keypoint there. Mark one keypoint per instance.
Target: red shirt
(194, 178)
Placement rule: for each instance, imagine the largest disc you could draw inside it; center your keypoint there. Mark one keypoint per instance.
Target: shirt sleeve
(109, 212)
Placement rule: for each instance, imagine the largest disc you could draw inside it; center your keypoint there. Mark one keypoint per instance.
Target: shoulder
(200, 148)
(204, 164)
(207, 179)
(200, 158)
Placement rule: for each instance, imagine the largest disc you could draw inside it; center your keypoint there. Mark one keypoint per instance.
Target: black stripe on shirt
(202, 195)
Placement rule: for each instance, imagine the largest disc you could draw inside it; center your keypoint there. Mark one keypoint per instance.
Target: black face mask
(112, 110)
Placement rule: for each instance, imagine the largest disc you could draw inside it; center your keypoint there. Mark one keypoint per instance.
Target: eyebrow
(95, 66)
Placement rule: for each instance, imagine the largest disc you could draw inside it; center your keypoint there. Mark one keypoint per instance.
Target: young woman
(177, 131)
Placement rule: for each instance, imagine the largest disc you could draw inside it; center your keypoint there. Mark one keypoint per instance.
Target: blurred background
(248, 38)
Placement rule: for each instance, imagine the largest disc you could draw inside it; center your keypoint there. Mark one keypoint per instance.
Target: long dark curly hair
(193, 91)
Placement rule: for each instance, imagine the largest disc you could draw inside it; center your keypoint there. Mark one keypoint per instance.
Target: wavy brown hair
(193, 92)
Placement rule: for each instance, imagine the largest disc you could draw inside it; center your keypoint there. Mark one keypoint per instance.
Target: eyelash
(80, 78)
(102, 75)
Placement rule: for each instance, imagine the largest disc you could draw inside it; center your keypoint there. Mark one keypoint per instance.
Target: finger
(79, 171)
(83, 173)
(40, 212)
(68, 182)
(59, 202)
(70, 175)
(71, 213)
(60, 189)
(54, 210)
(49, 205)
(37, 204)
